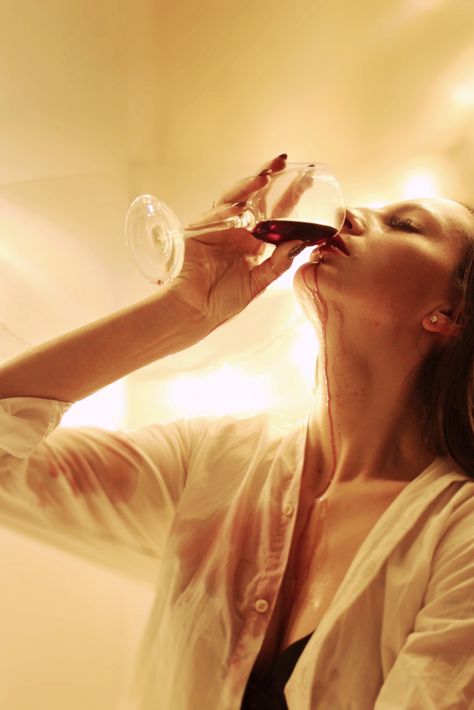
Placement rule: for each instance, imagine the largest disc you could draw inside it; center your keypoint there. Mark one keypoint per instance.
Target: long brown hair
(446, 378)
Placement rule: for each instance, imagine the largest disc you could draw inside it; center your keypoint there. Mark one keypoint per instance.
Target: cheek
(404, 282)
(381, 283)
(402, 270)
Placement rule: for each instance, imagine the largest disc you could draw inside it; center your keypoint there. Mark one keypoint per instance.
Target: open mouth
(333, 244)
(337, 243)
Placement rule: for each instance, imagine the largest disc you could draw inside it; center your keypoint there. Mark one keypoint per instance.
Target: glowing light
(305, 352)
(463, 95)
(424, 5)
(285, 281)
(104, 409)
(375, 204)
(223, 391)
(420, 184)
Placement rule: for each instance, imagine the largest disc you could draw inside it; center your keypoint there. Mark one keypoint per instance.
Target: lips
(339, 244)
(333, 244)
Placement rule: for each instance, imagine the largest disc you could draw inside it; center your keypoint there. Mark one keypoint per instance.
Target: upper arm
(93, 487)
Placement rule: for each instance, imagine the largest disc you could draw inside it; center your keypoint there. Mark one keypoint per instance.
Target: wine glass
(303, 201)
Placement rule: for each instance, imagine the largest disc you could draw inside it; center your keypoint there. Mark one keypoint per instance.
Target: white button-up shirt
(209, 504)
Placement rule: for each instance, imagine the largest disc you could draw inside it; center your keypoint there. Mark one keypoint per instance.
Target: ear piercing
(434, 319)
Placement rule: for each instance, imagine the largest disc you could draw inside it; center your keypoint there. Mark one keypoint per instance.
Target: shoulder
(240, 438)
(455, 543)
(230, 431)
(461, 491)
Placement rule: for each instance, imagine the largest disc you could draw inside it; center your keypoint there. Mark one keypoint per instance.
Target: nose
(354, 223)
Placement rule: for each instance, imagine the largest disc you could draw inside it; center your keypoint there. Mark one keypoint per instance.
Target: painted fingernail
(297, 250)
(283, 155)
(266, 172)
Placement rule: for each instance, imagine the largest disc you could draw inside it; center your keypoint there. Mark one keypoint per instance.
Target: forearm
(79, 363)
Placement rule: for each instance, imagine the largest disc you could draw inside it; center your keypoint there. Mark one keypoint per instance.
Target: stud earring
(434, 319)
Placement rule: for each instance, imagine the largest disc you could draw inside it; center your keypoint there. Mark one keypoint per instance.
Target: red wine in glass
(306, 194)
(278, 231)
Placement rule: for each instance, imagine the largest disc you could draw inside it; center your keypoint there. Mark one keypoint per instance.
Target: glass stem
(246, 220)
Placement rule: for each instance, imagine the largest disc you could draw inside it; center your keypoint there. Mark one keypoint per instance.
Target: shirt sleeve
(107, 496)
(435, 667)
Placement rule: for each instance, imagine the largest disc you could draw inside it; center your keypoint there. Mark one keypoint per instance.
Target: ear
(441, 324)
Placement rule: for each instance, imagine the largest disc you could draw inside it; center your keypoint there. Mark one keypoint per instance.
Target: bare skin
(373, 311)
(377, 313)
(222, 273)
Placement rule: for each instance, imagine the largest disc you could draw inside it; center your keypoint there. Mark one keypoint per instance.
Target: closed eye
(406, 224)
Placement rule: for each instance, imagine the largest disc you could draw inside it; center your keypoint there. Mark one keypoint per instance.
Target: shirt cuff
(26, 421)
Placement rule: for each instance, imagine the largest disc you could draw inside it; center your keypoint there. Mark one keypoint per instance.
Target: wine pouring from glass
(303, 201)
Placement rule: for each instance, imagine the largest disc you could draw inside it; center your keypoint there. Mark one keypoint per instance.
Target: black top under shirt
(268, 694)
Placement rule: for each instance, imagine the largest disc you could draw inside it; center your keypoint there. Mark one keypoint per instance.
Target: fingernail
(297, 250)
(283, 155)
(266, 172)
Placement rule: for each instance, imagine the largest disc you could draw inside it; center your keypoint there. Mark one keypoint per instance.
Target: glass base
(155, 239)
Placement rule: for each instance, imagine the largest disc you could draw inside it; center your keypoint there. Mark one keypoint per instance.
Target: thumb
(277, 263)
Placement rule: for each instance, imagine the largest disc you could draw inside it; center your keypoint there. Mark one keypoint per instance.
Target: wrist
(187, 315)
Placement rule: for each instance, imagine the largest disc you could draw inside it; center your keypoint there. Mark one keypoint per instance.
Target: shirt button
(261, 605)
(288, 509)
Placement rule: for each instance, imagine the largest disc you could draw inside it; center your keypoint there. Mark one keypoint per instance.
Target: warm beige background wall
(79, 92)
(101, 101)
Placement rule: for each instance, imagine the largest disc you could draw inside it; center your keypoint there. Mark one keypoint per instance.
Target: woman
(343, 542)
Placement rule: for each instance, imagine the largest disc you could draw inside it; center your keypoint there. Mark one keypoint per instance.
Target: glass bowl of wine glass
(303, 201)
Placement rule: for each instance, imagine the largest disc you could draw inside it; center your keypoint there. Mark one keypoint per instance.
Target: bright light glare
(305, 352)
(420, 184)
(285, 281)
(104, 409)
(463, 95)
(375, 204)
(221, 392)
(424, 5)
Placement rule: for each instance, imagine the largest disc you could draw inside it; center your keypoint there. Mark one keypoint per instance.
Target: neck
(365, 421)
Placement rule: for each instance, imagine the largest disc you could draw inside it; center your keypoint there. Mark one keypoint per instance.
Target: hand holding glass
(303, 201)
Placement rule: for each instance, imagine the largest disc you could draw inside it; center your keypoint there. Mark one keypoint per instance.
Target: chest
(327, 537)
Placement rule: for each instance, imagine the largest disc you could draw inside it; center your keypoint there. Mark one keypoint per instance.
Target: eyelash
(406, 224)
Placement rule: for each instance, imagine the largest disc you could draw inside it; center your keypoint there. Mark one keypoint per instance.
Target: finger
(218, 214)
(269, 270)
(276, 164)
(291, 196)
(246, 187)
